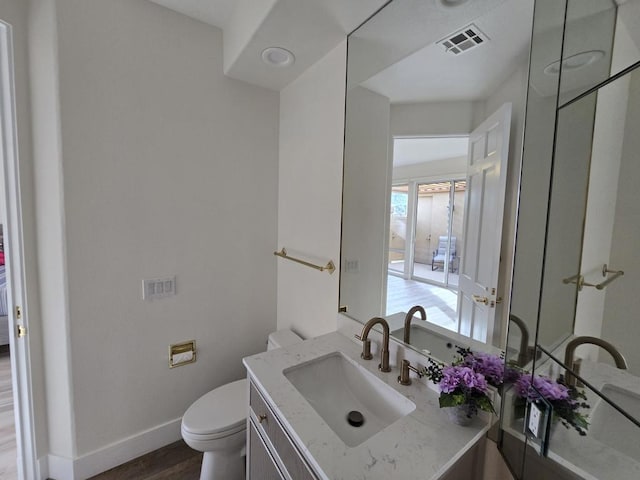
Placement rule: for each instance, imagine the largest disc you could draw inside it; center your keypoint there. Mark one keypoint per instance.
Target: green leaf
(451, 400)
(484, 403)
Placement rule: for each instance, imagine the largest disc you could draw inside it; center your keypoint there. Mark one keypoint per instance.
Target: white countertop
(422, 445)
(585, 455)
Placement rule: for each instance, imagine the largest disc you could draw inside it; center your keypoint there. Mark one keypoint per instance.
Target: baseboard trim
(43, 467)
(115, 454)
(59, 468)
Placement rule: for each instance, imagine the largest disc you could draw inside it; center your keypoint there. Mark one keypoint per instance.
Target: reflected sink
(335, 385)
(610, 427)
(432, 343)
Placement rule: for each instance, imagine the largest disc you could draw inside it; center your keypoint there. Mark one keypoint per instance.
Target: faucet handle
(366, 348)
(404, 378)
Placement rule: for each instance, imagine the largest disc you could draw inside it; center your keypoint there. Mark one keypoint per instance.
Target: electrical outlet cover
(538, 423)
(535, 416)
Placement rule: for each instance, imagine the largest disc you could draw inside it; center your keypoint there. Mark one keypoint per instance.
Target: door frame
(16, 289)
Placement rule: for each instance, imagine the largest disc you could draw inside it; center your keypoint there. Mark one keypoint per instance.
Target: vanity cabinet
(271, 454)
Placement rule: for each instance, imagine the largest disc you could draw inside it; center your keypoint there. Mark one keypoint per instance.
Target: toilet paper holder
(182, 353)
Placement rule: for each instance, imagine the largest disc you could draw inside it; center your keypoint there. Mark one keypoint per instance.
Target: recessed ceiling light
(574, 62)
(278, 57)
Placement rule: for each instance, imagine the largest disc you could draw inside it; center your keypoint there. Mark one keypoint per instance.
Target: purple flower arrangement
(550, 390)
(490, 366)
(466, 382)
(566, 401)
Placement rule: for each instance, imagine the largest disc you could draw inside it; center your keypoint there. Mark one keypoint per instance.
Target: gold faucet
(570, 379)
(525, 353)
(404, 378)
(366, 343)
(407, 321)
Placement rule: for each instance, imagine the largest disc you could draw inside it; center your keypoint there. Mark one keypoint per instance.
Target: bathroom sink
(610, 427)
(334, 385)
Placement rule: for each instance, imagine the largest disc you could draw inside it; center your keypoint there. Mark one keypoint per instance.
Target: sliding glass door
(398, 230)
(426, 231)
(438, 231)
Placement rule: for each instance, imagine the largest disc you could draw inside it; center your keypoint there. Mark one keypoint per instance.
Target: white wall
(365, 218)
(434, 170)
(606, 153)
(532, 217)
(574, 136)
(165, 167)
(606, 157)
(310, 190)
(432, 119)
(622, 303)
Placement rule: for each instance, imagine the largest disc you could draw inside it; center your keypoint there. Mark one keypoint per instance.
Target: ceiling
(425, 72)
(412, 151)
(308, 28)
(311, 28)
(433, 74)
(213, 12)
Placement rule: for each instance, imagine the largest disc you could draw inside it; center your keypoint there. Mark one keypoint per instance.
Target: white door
(18, 312)
(484, 207)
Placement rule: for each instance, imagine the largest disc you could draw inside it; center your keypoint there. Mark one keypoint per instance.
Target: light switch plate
(351, 266)
(158, 288)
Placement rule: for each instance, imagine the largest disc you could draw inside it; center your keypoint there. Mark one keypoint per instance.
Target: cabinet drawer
(261, 466)
(271, 428)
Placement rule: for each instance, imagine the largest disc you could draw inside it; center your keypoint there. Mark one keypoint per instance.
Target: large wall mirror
(575, 285)
(429, 82)
(436, 94)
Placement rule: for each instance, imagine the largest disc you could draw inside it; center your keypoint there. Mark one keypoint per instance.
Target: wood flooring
(175, 461)
(440, 303)
(8, 465)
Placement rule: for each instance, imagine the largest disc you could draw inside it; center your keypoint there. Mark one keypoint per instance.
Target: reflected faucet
(524, 353)
(366, 343)
(407, 321)
(570, 379)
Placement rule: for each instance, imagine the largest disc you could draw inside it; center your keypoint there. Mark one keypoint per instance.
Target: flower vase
(460, 415)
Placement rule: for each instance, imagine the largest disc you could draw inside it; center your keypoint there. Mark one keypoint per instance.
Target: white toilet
(216, 423)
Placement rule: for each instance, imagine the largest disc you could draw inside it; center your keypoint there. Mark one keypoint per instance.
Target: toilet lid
(221, 410)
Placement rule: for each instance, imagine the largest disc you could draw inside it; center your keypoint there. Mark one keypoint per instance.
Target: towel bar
(329, 267)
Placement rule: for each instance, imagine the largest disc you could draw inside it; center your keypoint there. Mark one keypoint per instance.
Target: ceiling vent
(463, 40)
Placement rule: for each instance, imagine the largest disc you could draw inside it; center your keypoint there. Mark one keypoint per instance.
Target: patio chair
(440, 254)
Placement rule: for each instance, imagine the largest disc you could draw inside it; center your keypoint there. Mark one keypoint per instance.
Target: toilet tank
(282, 338)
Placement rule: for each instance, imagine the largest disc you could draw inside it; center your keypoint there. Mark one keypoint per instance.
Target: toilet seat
(219, 413)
